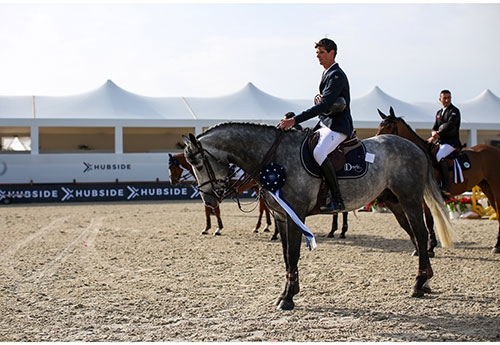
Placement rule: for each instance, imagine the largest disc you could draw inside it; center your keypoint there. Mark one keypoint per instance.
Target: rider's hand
(286, 124)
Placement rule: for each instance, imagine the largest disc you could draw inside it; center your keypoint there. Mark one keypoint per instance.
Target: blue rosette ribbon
(273, 177)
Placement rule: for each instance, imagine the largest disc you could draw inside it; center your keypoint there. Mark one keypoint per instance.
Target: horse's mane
(401, 118)
(236, 124)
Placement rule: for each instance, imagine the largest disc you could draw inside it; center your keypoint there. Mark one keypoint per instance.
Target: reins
(231, 188)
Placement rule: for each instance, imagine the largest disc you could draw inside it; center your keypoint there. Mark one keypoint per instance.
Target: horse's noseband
(218, 193)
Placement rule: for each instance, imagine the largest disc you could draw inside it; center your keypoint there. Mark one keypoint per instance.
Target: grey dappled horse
(400, 175)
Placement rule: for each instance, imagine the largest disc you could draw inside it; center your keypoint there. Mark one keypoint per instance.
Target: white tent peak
(107, 101)
(365, 107)
(248, 103)
(486, 96)
(485, 108)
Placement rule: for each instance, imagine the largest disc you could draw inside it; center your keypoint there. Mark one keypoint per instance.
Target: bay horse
(484, 164)
(399, 173)
(335, 225)
(180, 170)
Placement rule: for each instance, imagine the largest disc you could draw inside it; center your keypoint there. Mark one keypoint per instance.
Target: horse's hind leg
(335, 225)
(413, 223)
(398, 212)
(494, 202)
(429, 222)
(344, 224)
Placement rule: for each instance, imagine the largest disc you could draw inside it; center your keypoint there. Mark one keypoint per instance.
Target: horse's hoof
(431, 254)
(418, 293)
(496, 250)
(342, 235)
(274, 238)
(330, 235)
(267, 230)
(204, 232)
(255, 231)
(285, 305)
(217, 233)
(426, 289)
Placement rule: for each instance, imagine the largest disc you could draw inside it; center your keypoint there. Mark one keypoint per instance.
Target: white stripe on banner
(310, 240)
(458, 175)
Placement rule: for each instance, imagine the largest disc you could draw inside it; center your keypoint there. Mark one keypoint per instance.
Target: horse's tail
(435, 202)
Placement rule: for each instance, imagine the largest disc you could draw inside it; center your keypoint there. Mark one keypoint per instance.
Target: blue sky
(411, 51)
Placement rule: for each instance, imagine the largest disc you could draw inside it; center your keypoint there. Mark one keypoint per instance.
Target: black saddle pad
(355, 164)
(461, 158)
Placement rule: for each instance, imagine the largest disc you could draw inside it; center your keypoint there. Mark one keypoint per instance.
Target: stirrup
(333, 206)
(445, 191)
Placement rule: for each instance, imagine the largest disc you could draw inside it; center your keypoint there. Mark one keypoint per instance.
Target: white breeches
(328, 141)
(444, 150)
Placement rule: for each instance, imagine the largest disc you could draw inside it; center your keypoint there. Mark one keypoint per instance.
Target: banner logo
(106, 166)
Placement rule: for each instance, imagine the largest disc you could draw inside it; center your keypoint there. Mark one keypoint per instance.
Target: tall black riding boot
(336, 201)
(445, 177)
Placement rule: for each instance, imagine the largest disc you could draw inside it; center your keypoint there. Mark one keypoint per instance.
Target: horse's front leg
(208, 212)
(291, 239)
(259, 220)
(220, 226)
(268, 216)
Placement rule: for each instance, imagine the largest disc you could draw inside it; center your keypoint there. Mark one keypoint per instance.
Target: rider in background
(332, 106)
(446, 133)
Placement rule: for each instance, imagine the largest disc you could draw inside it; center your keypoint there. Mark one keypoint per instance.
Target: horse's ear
(193, 140)
(186, 140)
(382, 115)
(391, 112)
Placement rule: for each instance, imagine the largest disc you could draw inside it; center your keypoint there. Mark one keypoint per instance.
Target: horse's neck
(406, 132)
(245, 146)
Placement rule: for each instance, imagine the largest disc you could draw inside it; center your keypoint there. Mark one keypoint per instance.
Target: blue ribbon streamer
(310, 240)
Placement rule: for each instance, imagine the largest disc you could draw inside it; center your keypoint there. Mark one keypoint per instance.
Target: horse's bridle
(174, 161)
(389, 120)
(243, 179)
(212, 179)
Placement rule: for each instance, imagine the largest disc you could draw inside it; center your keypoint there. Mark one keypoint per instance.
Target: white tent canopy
(109, 101)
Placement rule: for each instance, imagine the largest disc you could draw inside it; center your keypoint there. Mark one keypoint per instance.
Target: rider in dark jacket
(446, 133)
(335, 122)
